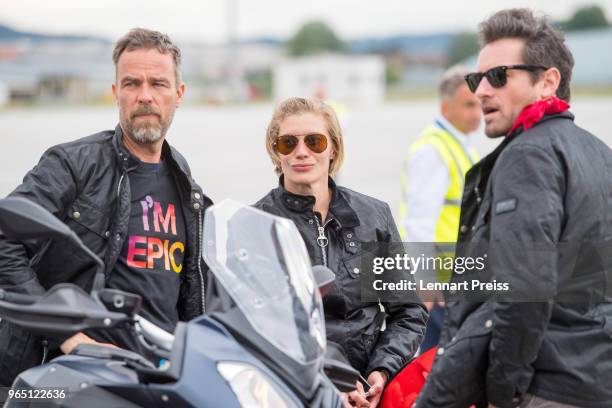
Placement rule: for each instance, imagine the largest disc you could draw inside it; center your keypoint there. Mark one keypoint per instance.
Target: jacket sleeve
(405, 326)
(52, 185)
(526, 219)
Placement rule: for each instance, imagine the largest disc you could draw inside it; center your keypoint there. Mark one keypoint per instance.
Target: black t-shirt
(152, 256)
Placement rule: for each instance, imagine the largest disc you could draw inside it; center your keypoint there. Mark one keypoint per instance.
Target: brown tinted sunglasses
(285, 144)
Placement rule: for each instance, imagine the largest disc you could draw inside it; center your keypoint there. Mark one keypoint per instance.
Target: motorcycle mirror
(22, 219)
(324, 277)
(63, 309)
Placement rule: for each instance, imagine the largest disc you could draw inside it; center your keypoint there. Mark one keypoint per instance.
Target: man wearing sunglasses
(542, 203)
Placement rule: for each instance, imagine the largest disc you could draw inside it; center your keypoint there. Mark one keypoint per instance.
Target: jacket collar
(562, 115)
(129, 161)
(339, 207)
(488, 161)
(483, 168)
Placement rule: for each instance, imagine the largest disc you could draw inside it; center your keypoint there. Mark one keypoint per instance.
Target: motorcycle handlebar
(154, 334)
(19, 298)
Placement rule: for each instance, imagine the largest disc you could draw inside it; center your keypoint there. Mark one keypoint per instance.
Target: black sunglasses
(497, 76)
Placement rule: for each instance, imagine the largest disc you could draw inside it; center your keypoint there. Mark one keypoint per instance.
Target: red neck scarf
(534, 112)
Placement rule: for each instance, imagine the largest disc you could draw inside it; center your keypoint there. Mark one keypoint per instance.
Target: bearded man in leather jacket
(129, 197)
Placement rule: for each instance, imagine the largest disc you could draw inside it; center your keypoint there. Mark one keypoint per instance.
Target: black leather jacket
(352, 220)
(548, 187)
(85, 184)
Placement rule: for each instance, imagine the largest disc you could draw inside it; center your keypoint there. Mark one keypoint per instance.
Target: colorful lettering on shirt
(144, 251)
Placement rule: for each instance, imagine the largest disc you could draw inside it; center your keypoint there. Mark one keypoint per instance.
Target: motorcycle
(263, 346)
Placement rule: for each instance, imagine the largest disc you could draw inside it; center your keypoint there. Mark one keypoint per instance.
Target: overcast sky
(207, 20)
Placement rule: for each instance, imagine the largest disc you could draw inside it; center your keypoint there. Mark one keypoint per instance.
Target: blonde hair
(298, 106)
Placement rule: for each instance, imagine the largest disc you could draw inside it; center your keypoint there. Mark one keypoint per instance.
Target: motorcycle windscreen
(261, 260)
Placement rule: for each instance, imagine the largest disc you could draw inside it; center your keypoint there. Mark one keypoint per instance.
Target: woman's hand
(361, 399)
(377, 379)
(357, 398)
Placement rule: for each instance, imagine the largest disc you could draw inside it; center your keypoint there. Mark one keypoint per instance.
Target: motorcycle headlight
(252, 387)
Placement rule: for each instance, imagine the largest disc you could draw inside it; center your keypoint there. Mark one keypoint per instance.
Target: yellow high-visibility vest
(458, 161)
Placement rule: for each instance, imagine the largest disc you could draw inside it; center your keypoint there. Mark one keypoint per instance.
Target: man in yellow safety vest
(433, 176)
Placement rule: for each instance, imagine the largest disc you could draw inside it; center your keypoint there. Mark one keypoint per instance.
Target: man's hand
(80, 338)
(377, 379)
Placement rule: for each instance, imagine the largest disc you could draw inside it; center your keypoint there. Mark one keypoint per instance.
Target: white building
(352, 79)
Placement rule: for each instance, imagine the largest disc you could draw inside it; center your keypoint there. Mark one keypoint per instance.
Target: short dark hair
(142, 38)
(544, 44)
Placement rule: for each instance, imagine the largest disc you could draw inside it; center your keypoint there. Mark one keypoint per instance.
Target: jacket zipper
(199, 239)
(322, 240)
(119, 185)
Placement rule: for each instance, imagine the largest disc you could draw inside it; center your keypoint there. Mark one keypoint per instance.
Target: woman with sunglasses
(305, 144)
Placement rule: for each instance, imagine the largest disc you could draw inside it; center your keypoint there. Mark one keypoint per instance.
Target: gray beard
(146, 135)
